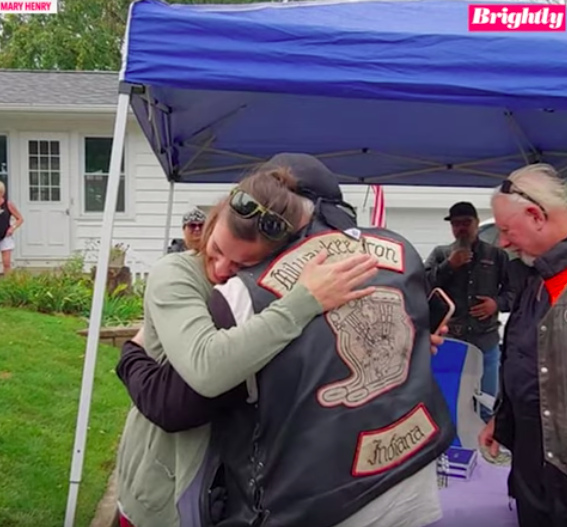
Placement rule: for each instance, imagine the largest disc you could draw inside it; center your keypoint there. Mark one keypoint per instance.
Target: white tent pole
(96, 308)
(168, 218)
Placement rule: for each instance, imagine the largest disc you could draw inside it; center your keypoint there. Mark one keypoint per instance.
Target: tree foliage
(84, 35)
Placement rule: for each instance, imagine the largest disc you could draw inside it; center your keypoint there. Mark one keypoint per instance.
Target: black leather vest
(347, 410)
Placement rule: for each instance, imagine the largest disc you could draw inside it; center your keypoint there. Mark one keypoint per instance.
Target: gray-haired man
(530, 209)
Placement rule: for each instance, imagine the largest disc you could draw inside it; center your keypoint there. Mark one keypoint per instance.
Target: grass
(41, 360)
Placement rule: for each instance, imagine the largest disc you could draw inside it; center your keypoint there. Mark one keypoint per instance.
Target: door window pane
(45, 184)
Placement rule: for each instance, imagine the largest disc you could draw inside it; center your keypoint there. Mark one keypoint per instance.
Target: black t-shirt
(5, 217)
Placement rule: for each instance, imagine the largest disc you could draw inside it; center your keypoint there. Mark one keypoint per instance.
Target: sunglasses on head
(508, 187)
(270, 224)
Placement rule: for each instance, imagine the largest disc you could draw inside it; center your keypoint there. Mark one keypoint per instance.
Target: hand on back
(335, 284)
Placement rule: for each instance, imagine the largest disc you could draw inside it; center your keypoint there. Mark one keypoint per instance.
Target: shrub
(69, 290)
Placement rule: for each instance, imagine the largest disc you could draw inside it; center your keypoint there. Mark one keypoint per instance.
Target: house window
(44, 170)
(4, 160)
(97, 165)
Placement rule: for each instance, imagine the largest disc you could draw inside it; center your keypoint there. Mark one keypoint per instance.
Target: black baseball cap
(463, 209)
(315, 180)
(318, 183)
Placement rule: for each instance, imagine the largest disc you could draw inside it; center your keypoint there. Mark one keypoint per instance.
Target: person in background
(530, 209)
(475, 275)
(10, 221)
(192, 225)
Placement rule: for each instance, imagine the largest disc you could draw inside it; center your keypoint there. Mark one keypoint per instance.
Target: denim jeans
(489, 381)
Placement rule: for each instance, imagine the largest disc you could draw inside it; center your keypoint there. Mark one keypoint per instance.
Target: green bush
(69, 290)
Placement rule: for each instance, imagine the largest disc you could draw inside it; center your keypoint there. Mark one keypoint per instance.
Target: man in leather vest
(530, 209)
(346, 438)
(335, 436)
(475, 275)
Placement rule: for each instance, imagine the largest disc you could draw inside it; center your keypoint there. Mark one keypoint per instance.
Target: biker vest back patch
(374, 335)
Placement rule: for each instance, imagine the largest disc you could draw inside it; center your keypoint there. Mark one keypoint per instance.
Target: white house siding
(417, 213)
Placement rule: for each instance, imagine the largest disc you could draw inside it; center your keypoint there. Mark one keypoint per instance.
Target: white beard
(527, 259)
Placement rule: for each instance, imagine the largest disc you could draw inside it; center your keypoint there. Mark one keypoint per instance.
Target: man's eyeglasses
(270, 224)
(508, 187)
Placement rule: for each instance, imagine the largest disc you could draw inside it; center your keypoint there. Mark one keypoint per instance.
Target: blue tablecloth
(481, 501)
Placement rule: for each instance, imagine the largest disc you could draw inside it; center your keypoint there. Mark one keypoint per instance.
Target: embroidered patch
(374, 335)
(390, 254)
(285, 270)
(375, 339)
(381, 450)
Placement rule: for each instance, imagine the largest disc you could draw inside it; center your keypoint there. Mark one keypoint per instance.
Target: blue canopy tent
(383, 92)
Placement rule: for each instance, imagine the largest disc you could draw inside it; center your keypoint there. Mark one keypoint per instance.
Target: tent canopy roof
(384, 92)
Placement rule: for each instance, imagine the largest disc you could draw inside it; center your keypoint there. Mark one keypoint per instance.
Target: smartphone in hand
(441, 309)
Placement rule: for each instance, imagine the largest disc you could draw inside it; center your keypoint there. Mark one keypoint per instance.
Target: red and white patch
(285, 270)
(374, 335)
(381, 450)
(374, 338)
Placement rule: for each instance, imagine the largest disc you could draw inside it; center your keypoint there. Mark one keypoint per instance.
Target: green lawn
(41, 360)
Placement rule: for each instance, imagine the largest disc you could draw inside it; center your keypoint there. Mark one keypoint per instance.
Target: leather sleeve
(437, 268)
(504, 423)
(505, 292)
(503, 416)
(162, 396)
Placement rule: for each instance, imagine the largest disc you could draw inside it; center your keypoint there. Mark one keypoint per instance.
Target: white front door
(45, 196)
